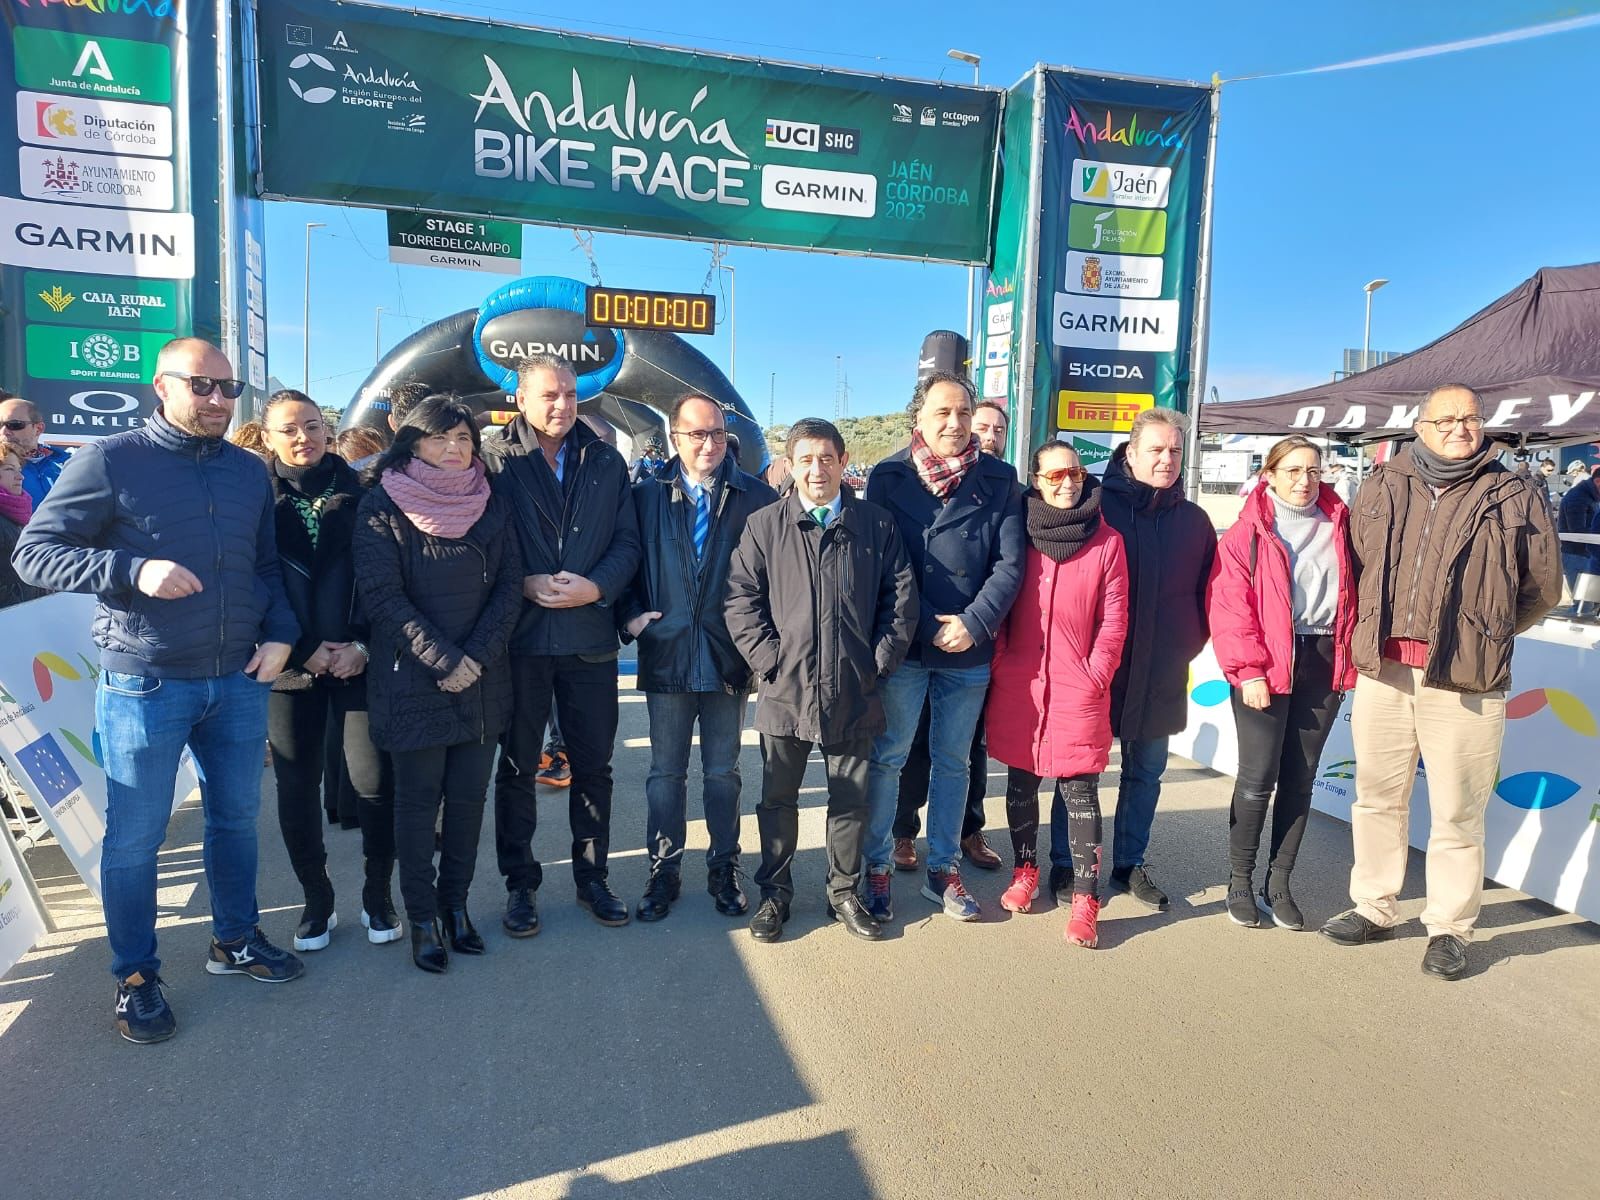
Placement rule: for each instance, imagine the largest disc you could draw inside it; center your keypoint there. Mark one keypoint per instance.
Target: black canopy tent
(1534, 356)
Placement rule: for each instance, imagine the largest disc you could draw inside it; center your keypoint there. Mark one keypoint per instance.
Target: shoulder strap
(1254, 534)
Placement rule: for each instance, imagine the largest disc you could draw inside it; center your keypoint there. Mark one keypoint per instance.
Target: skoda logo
(103, 403)
(311, 95)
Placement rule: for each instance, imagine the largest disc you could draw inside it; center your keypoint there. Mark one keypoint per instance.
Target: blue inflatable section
(541, 291)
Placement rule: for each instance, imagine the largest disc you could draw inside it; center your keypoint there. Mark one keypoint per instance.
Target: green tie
(821, 514)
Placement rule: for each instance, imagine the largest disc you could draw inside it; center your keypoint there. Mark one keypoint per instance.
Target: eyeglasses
(310, 429)
(1298, 473)
(203, 385)
(699, 436)
(1445, 424)
(16, 426)
(1054, 478)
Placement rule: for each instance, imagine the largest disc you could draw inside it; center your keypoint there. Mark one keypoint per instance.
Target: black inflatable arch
(627, 380)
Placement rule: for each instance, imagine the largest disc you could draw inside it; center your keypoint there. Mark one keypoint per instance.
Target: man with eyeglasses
(172, 527)
(692, 512)
(21, 425)
(1456, 557)
(573, 509)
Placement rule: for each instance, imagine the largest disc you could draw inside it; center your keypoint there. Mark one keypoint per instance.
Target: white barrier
(48, 669)
(21, 922)
(1543, 822)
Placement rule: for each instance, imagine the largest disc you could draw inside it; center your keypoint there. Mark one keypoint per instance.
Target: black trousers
(298, 729)
(339, 796)
(1279, 748)
(459, 777)
(914, 783)
(1079, 797)
(783, 767)
(586, 693)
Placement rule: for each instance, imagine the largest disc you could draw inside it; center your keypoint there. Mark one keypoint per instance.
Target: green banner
(107, 301)
(463, 243)
(53, 60)
(404, 110)
(97, 355)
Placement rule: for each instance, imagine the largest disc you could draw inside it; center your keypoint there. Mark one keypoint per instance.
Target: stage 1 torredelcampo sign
(406, 110)
(465, 243)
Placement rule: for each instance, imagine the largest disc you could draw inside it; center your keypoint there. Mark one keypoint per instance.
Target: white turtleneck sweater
(1307, 533)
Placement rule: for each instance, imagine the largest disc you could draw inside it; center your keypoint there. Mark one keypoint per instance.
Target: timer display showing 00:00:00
(674, 311)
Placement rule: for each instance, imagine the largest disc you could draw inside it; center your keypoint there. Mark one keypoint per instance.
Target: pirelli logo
(1101, 412)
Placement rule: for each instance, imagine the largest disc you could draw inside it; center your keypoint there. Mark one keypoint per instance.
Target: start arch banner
(396, 108)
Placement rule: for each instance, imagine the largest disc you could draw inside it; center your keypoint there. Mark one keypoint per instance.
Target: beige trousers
(1395, 718)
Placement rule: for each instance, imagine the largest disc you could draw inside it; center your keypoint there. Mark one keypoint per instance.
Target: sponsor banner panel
(91, 64)
(415, 111)
(49, 667)
(21, 922)
(1101, 412)
(103, 301)
(101, 126)
(1134, 277)
(95, 355)
(71, 237)
(75, 410)
(1542, 826)
(463, 243)
(1094, 449)
(114, 180)
(1096, 323)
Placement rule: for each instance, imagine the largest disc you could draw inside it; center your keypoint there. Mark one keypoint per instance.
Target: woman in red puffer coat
(1282, 607)
(1049, 711)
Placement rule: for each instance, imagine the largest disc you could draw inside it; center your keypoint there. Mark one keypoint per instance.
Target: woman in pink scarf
(15, 508)
(440, 576)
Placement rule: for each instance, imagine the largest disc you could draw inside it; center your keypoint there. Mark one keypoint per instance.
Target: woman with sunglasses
(1282, 608)
(440, 577)
(1049, 709)
(317, 496)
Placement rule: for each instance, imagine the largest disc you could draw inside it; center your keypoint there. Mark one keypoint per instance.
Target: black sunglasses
(16, 426)
(201, 385)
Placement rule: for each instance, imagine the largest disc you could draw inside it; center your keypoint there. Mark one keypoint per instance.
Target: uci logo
(311, 95)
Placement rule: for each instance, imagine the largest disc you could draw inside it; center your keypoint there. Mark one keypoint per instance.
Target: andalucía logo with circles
(312, 95)
(101, 351)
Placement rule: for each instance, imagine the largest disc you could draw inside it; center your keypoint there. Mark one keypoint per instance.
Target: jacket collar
(1119, 481)
(169, 437)
(728, 474)
(907, 493)
(1258, 506)
(849, 509)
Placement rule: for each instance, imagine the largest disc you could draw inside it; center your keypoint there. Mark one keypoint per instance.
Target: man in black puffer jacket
(574, 515)
(172, 528)
(1170, 543)
(692, 512)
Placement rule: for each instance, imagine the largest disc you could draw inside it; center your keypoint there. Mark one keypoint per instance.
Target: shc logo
(312, 95)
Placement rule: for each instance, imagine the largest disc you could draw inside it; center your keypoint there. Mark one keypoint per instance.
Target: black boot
(377, 905)
(318, 920)
(464, 939)
(427, 946)
(723, 884)
(1278, 904)
(1241, 904)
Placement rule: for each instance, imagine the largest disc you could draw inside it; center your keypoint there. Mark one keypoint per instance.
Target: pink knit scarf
(16, 509)
(443, 503)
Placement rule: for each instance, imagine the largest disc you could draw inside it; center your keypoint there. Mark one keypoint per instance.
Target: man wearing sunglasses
(172, 527)
(21, 424)
(1456, 557)
(692, 512)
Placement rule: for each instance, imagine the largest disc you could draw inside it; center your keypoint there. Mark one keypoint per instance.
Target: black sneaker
(1274, 900)
(381, 921)
(254, 956)
(723, 884)
(1061, 885)
(767, 924)
(314, 932)
(521, 918)
(659, 894)
(1446, 957)
(143, 1014)
(1136, 882)
(1352, 929)
(1241, 904)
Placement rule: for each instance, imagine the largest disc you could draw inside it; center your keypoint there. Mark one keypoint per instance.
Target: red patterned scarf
(941, 475)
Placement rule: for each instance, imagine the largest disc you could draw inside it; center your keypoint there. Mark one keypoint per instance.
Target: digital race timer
(676, 312)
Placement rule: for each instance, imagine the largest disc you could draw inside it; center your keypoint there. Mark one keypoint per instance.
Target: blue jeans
(1573, 565)
(672, 718)
(955, 701)
(144, 724)
(1138, 789)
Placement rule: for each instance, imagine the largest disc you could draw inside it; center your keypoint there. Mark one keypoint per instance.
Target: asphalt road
(1185, 1058)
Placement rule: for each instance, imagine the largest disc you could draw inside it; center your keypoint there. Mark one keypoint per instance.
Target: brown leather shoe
(905, 854)
(976, 848)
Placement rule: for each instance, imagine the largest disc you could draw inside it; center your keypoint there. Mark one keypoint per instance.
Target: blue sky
(1454, 176)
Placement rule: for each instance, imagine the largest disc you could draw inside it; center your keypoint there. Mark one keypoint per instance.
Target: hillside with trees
(868, 439)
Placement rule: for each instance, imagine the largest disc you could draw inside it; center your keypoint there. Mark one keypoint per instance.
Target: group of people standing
(431, 610)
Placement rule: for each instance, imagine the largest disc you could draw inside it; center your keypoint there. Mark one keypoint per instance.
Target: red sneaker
(1024, 890)
(1083, 927)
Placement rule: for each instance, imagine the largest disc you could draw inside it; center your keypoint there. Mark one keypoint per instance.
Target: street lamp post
(1366, 334)
(305, 318)
(974, 60)
(377, 333)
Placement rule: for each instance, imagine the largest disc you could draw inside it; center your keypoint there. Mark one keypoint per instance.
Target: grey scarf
(1442, 472)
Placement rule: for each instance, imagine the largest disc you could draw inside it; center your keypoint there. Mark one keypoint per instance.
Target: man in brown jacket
(1457, 556)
